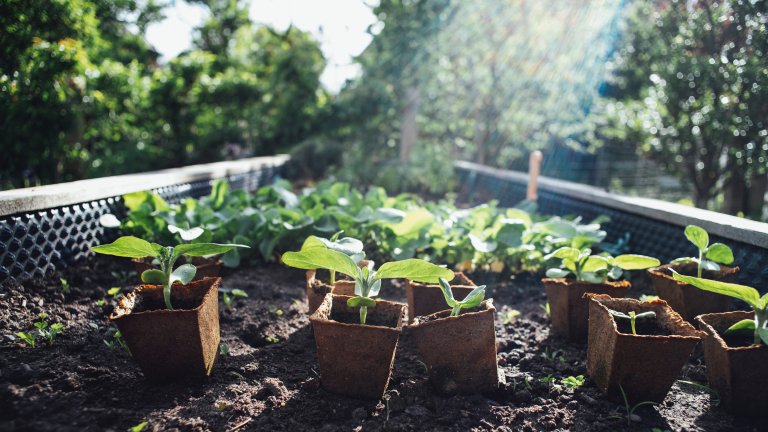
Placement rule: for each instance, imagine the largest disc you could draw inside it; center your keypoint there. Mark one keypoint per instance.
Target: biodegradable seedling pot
(459, 351)
(569, 310)
(206, 267)
(169, 344)
(737, 372)
(686, 299)
(644, 365)
(355, 359)
(424, 299)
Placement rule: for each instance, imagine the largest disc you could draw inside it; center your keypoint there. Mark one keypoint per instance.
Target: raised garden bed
(269, 380)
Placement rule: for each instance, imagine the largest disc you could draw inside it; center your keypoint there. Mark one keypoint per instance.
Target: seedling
(65, 285)
(630, 409)
(139, 427)
(509, 316)
(632, 317)
(573, 382)
(349, 246)
(315, 254)
(272, 339)
(114, 292)
(709, 254)
(224, 349)
(117, 341)
(473, 299)
(133, 247)
(553, 357)
(42, 330)
(552, 382)
(596, 268)
(228, 296)
(747, 294)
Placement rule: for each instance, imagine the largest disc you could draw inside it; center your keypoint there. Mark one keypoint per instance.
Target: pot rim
(314, 318)
(660, 273)
(600, 298)
(620, 284)
(127, 302)
(486, 305)
(709, 330)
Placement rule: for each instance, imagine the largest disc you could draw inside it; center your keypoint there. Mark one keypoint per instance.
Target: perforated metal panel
(33, 244)
(648, 236)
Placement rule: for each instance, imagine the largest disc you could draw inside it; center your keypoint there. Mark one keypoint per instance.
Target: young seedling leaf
(747, 324)
(635, 262)
(710, 265)
(564, 253)
(361, 301)
(474, 298)
(153, 277)
(184, 274)
(720, 253)
(594, 264)
(203, 249)
(186, 235)
(315, 258)
(747, 294)
(128, 247)
(698, 236)
(480, 245)
(445, 287)
(764, 335)
(556, 273)
(375, 288)
(414, 269)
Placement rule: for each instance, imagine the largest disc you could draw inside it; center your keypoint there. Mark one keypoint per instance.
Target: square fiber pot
(739, 374)
(460, 351)
(171, 344)
(686, 299)
(316, 290)
(206, 267)
(424, 299)
(356, 360)
(645, 366)
(569, 310)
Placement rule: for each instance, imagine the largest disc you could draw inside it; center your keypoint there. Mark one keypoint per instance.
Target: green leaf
(763, 332)
(127, 246)
(556, 273)
(720, 253)
(511, 234)
(636, 262)
(361, 301)
(315, 258)
(413, 222)
(565, 253)
(474, 298)
(239, 293)
(113, 291)
(746, 324)
(591, 277)
(698, 236)
(445, 287)
(414, 269)
(153, 277)
(219, 193)
(742, 292)
(763, 303)
(184, 273)
(594, 264)
(186, 235)
(683, 260)
(481, 245)
(203, 249)
(231, 259)
(347, 245)
(710, 265)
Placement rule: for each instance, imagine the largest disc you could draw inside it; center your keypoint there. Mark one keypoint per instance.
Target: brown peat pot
(686, 299)
(355, 359)
(644, 365)
(459, 351)
(426, 299)
(206, 267)
(569, 310)
(171, 344)
(738, 373)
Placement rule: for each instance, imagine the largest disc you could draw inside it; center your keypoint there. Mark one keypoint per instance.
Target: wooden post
(534, 168)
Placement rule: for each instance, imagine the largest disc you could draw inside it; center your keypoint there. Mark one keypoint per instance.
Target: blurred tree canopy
(690, 90)
(82, 93)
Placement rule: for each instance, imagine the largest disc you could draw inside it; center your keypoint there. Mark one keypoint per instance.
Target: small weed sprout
(473, 299)
(630, 409)
(509, 316)
(29, 338)
(272, 339)
(546, 309)
(228, 296)
(48, 332)
(224, 349)
(117, 342)
(133, 247)
(553, 357)
(139, 427)
(573, 382)
(709, 254)
(65, 286)
(632, 316)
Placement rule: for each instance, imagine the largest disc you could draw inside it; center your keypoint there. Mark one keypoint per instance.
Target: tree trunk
(735, 190)
(758, 185)
(408, 127)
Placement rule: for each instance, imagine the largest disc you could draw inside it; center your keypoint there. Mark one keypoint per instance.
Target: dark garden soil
(269, 380)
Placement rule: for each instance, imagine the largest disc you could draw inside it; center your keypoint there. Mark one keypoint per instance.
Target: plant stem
(363, 314)
(166, 264)
(760, 319)
(632, 322)
(333, 276)
(701, 256)
(456, 309)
